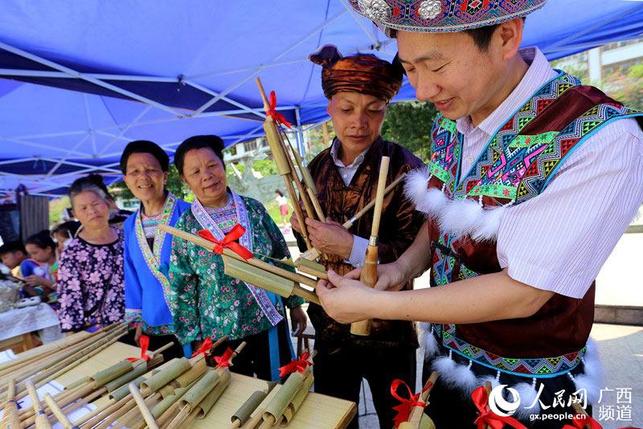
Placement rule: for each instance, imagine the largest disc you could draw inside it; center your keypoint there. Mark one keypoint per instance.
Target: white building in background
(603, 60)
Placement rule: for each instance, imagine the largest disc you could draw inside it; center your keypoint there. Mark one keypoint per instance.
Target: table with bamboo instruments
(317, 411)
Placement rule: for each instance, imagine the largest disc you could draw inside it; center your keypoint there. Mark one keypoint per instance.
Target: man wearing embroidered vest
(359, 88)
(533, 179)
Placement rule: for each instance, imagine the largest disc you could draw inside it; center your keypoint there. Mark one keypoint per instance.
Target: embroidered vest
(517, 165)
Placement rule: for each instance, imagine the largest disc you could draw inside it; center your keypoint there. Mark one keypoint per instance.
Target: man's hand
(389, 277)
(298, 320)
(294, 223)
(330, 237)
(344, 299)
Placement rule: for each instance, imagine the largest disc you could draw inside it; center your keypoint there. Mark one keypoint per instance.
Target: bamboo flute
(140, 402)
(11, 419)
(41, 418)
(368, 275)
(312, 254)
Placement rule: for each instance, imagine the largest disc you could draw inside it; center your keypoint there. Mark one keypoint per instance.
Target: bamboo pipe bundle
(283, 154)
(313, 254)
(175, 369)
(93, 389)
(297, 401)
(203, 394)
(417, 418)
(244, 412)
(283, 286)
(11, 419)
(276, 408)
(41, 418)
(368, 275)
(27, 358)
(68, 363)
(29, 367)
(254, 268)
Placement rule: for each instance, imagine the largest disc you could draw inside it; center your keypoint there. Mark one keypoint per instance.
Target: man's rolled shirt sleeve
(559, 240)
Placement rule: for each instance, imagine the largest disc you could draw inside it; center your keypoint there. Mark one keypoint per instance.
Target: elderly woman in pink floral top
(90, 276)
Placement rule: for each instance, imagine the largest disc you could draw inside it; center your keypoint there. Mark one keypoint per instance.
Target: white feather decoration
(464, 378)
(527, 393)
(428, 340)
(488, 228)
(592, 378)
(460, 217)
(444, 366)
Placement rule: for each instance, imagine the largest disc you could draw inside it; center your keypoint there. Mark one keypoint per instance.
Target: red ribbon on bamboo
(205, 347)
(225, 360)
(272, 111)
(406, 404)
(296, 365)
(144, 343)
(228, 242)
(488, 418)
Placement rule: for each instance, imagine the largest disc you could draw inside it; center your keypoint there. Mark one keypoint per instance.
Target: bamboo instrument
(248, 268)
(313, 254)
(368, 275)
(11, 419)
(275, 409)
(149, 419)
(417, 418)
(41, 418)
(283, 155)
(242, 415)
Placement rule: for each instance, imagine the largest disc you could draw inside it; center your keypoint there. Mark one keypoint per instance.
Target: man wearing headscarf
(532, 180)
(359, 89)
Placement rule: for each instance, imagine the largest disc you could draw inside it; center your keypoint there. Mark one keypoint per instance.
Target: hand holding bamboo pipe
(313, 254)
(368, 275)
(417, 413)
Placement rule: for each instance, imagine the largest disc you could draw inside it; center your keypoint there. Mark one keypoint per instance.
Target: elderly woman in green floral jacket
(204, 301)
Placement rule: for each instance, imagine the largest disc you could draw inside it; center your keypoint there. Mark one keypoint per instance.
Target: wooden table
(317, 411)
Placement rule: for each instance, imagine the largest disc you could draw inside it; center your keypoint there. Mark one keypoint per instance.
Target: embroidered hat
(442, 16)
(363, 73)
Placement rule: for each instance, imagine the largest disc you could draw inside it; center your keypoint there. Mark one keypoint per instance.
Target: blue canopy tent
(81, 79)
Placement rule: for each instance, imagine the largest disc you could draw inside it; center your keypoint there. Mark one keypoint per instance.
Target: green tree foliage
(409, 124)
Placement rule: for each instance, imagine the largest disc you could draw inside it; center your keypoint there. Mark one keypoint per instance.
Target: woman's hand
(389, 277)
(138, 333)
(344, 299)
(298, 320)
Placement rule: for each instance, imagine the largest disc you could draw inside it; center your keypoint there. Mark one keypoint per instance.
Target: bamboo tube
(46, 364)
(266, 280)
(155, 382)
(243, 414)
(229, 253)
(199, 368)
(275, 408)
(316, 205)
(73, 360)
(200, 389)
(149, 419)
(295, 404)
(417, 418)
(312, 254)
(41, 418)
(283, 162)
(368, 274)
(11, 418)
(55, 409)
(89, 420)
(179, 418)
(204, 407)
(304, 267)
(138, 369)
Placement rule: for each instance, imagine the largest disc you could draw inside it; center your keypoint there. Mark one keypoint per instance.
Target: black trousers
(254, 360)
(449, 407)
(339, 372)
